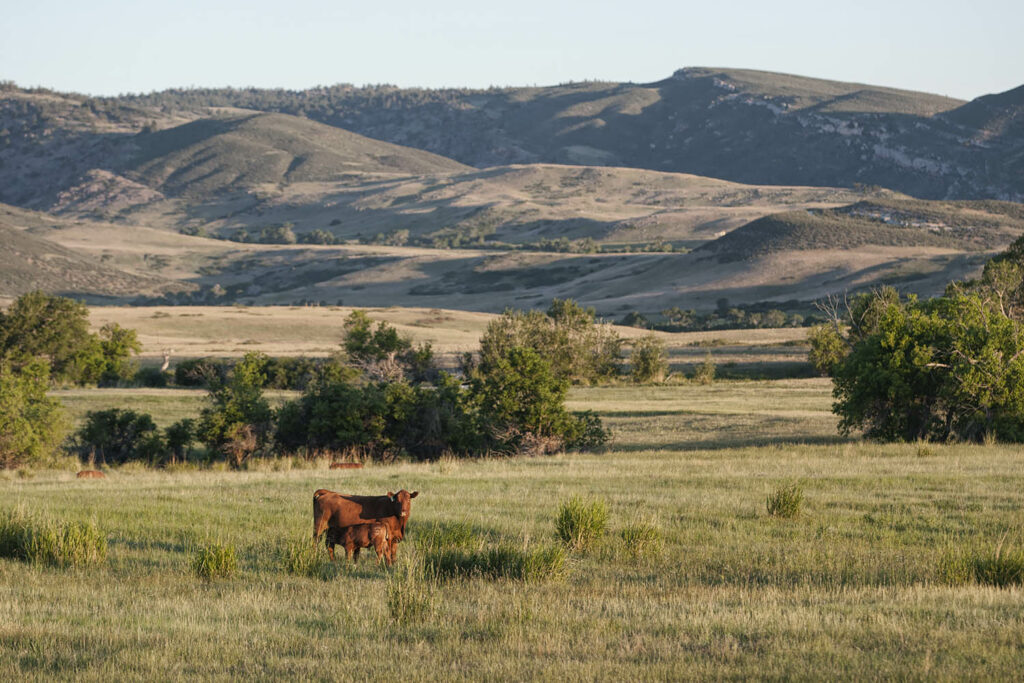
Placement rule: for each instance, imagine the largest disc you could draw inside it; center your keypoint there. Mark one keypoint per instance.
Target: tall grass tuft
(447, 535)
(409, 594)
(785, 501)
(53, 543)
(501, 562)
(214, 561)
(302, 558)
(579, 524)
(642, 539)
(996, 567)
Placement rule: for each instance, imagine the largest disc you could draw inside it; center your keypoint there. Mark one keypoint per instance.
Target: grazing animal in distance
(346, 465)
(91, 474)
(379, 535)
(333, 510)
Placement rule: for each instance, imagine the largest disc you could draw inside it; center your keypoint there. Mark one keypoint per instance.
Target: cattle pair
(358, 522)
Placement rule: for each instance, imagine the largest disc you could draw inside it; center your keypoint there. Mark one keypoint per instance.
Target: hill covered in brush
(741, 125)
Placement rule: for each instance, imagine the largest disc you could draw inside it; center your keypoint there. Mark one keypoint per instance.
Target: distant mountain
(741, 125)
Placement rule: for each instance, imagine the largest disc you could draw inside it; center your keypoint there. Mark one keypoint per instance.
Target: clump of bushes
(785, 501)
(214, 560)
(49, 542)
(580, 523)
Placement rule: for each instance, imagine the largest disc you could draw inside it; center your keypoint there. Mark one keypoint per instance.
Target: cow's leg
(355, 555)
(330, 547)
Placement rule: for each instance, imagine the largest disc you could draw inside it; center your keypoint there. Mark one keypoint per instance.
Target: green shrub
(579, 523)
(642, 538)
(942, 369)
(705, 372)
(568, 337)
(648, 361)
(118, 436)
(214, 561)
(785, 501)
(237, 419)
(151, 377)
(53, 543)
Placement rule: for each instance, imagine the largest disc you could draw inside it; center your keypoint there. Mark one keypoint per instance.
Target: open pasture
(852, 587)
(233, 331)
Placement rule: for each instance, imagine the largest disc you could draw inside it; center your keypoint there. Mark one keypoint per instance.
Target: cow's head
(403, 503)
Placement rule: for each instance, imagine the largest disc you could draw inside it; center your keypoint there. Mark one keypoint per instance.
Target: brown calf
(346, 465)
(379, 535)
(91, 474)
(336, 511)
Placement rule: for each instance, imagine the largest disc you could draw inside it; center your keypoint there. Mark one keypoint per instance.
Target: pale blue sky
(105, 47)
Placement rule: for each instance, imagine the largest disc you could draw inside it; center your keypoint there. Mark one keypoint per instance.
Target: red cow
(336, 511)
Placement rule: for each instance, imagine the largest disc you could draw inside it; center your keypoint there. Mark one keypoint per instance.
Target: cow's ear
(414, 494)
(390, 494)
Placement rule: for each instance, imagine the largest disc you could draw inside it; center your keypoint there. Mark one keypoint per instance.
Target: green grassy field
(849, 589)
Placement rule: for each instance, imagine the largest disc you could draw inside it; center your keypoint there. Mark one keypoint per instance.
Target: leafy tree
(57, 329)
(238, 420)
(51, 327)
(948, 368)
(828, 348)
(31, 424)
(648, 361)
(383, 353)
(336, 416)
(116, 346)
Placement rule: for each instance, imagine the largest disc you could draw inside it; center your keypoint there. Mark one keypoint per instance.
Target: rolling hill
(740, 125)
(132, 185)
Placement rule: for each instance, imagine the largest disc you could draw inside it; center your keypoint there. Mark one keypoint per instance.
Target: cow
(379, 535)
(346, 465)
(336, 511)
(91, 474)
